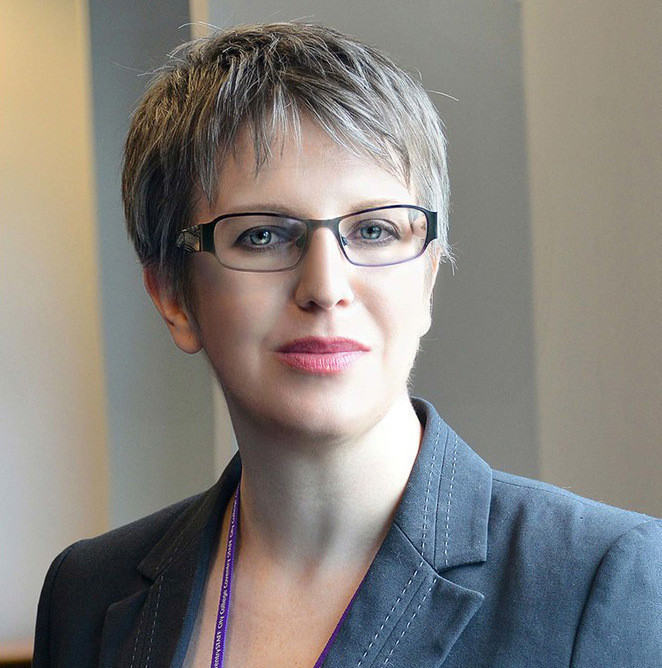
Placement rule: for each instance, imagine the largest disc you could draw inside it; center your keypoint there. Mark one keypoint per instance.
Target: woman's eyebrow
(374, 203)
(263, 207)
(285, 210)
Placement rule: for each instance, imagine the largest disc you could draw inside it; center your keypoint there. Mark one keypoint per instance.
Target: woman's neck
(317, 509)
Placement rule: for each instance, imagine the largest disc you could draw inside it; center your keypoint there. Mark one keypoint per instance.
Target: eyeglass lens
(269, 242)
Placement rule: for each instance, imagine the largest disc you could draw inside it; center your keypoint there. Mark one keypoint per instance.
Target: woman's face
(273, 338)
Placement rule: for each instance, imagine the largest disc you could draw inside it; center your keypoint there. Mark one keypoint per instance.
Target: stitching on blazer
(381, 628)
(156, 612)
(140, 626)
(448, 504)
(427, 493)
(411, 579)
(174, 550)
(180, 538)
(156, 606)
(397, 642)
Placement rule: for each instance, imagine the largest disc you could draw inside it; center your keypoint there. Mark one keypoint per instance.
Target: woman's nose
(323, 280)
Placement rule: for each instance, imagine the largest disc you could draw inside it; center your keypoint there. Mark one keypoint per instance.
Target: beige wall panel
(53, 476)
(593, 81)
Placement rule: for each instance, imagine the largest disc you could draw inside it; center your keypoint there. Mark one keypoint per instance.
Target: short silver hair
(265, 78)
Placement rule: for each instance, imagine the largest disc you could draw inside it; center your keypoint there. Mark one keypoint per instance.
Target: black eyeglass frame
(200, 238)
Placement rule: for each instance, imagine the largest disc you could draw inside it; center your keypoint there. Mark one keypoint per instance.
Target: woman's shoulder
(132, 545)
(543, 509)
(86, 578)
(536, 528)
(106, 566)
(589, 573)
(128, 544)
(519, 513)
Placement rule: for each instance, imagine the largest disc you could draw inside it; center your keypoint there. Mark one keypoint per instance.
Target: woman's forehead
(299, 164)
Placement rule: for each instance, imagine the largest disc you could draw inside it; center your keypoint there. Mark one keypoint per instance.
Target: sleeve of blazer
(43, 637)
(621, 624)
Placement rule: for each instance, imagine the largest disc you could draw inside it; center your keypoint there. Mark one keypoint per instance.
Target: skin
(325, 457)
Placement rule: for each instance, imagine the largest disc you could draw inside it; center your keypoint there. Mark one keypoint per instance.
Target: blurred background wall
(593, 82)
(53, 436)
(546, 353)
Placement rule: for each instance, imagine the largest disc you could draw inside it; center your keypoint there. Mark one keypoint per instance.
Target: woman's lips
(321, 355)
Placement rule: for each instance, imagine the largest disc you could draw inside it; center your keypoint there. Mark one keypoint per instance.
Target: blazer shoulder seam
(654, 521)
(51, 578)
(547, 488)
(57, 565)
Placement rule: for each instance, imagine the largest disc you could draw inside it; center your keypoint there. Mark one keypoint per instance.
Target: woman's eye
(378, 231)
(371, 232)
(260, 237)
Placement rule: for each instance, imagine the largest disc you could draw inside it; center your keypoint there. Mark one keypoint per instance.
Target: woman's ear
(182, 326)
(431, 271)
(426, 322)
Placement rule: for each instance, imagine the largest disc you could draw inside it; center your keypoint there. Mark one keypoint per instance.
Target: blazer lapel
(151, 627)
(119, 624)
(406, 613)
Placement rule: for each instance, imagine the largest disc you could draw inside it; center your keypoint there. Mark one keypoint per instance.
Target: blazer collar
(445, 509)
(405, 606)
(406, 612)
(199, 521)
(150, 628)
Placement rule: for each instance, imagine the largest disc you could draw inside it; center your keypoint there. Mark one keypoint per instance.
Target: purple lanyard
(226, 589)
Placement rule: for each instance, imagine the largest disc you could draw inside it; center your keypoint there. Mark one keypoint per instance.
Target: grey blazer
(480, 568)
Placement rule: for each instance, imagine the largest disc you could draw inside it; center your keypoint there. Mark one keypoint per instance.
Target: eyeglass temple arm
(190, 239)
(433, 225)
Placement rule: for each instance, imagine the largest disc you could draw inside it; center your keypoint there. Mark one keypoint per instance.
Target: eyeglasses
(262, 242)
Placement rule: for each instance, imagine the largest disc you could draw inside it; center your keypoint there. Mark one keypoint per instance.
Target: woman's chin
(308, 420)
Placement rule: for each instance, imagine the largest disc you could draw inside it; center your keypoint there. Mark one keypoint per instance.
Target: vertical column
(53, 459)
(594, 93)
(160, 411)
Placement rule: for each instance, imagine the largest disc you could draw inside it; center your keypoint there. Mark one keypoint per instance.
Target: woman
(286, 190)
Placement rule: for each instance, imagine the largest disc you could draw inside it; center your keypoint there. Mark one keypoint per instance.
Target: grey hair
(265, 78)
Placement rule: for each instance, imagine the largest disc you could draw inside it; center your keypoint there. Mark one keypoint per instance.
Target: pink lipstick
(321, 355)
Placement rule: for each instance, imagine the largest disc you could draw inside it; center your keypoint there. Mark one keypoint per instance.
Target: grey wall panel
(160, 417)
